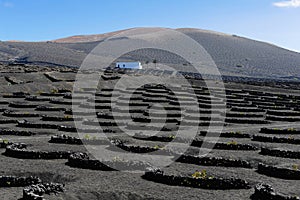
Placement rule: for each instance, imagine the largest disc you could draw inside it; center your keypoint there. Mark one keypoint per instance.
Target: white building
(129, 65)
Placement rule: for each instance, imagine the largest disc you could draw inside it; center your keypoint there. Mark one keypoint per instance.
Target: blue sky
(274, 21)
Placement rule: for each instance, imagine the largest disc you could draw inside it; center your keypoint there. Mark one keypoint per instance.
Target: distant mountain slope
(255, 58)
(86, 38)
(233, 55)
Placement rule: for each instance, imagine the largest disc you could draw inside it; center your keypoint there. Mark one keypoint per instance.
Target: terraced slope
(40, 145)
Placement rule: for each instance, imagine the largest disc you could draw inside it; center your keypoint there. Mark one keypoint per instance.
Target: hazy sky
(274, 21)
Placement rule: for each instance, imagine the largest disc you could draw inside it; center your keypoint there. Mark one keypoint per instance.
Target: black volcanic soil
(97, 184)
